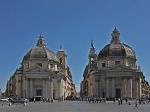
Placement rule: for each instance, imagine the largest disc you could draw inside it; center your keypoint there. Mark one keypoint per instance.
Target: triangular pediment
(35, 69)
(120, 68)
(119, 71)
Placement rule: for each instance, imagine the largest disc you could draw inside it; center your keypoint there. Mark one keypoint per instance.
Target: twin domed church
(112, 73)
(42, 74)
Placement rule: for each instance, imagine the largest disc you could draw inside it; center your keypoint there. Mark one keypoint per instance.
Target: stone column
(125, 88)
(17, 86)
(140, 88)
(61, 89)
(26, 89)
(31, 88)
(51, 89)
(98, 88)
(58, 86)
(137, 93)
(44, 89)
(113, 88)
(107, 87)
(130, 88)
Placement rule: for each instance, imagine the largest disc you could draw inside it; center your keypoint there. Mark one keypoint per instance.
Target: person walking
(34, 100)
(24, 104)
(136, 103)
(119, 101)
(126, 100)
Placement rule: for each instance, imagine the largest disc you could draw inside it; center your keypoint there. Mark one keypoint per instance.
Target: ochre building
(42, 74)
(113, 72)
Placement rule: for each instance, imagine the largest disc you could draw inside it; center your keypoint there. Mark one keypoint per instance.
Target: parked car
(25, 100)
(4, 100)
(22, 100)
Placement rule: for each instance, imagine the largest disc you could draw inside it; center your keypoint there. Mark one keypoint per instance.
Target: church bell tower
(92, 57)
(62, 57)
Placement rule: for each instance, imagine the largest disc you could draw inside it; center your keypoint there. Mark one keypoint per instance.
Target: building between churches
(42, 74)
(113, 72)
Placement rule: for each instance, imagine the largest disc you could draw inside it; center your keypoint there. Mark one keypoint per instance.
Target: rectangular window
(117, 62)
(40, 64)
(51, 65)
(103, 64)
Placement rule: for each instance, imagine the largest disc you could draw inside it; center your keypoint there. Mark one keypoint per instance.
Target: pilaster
(107, 87)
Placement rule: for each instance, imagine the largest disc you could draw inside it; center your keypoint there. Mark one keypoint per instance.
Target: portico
(120, 87)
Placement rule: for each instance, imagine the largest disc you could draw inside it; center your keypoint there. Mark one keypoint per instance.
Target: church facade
(113, 72)
(42, 74)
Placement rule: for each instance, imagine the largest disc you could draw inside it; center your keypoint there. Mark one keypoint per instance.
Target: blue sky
(72, 23)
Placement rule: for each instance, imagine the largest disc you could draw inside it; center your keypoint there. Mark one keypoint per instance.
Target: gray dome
(116, 48)
(40, 52)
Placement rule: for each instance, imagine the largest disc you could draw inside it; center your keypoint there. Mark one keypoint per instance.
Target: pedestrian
(129, 102)
(139, 101)
(34, 100)
(136, 104)
(121, 101)
(52, 100)
(114, 100)
(118, 101)
(86, 100)
(126, 100)
(24, 104)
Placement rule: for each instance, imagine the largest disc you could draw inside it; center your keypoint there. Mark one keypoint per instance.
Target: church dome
(116, 48)
(41, 51)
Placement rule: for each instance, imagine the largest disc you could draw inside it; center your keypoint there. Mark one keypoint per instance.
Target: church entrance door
(118, 93)
(39, 92)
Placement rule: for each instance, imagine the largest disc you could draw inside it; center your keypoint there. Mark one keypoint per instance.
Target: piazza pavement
(74, 106)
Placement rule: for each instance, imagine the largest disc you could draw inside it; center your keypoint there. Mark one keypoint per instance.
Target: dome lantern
(115, 36)
(61, 48)
(41, 41)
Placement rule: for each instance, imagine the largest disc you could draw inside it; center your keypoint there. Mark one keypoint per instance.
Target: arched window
(60, 60)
